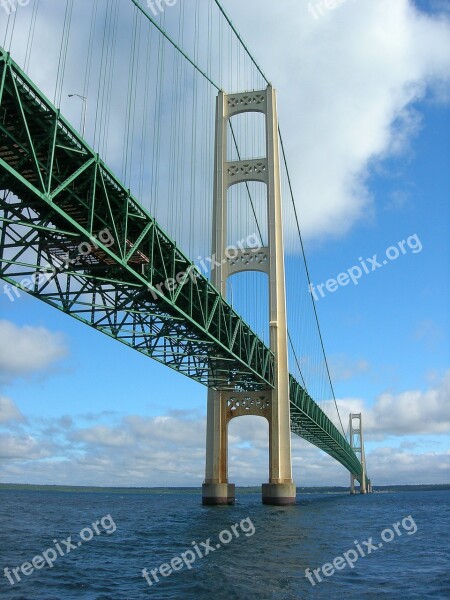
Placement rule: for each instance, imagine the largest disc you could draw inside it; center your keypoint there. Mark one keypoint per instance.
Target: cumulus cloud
(167, 449)
(9, 411)
(407, 413)
(348, 86)
(152, 451)
(412, 411)
(25, 349)
(170, 451)
(22, 447)
(390, 466)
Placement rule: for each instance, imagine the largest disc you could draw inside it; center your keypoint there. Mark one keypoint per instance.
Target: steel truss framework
(73, 236)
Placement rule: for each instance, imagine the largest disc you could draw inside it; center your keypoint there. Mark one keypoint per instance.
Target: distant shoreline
(189, 490)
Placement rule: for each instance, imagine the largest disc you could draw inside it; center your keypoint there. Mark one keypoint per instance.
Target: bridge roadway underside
(74, 237)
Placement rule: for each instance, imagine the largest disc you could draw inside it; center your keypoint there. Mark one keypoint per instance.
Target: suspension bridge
(178, 140)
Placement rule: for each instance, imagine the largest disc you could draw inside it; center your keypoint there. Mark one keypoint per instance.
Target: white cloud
(22, 447)
(410, 412)
(170, 451)
(347, 86)
(9, 411)
(390, 466)
(27, 349)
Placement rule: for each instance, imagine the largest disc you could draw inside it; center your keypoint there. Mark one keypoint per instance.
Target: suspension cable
(175, 45)
(222, 10)
(246, 185)
(307, 274)
(238, 36)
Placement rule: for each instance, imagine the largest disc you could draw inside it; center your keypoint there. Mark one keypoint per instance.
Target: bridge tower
(273, 404)
(357, 443)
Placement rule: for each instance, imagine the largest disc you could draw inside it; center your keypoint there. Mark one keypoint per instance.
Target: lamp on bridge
(84, 114)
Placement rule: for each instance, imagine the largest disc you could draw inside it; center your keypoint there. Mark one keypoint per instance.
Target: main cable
(308, 276)
(192, 62)
(230, 23)
(175, 45)
(237, 34)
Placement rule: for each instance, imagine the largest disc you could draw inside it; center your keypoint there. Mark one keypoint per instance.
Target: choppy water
(267, 560)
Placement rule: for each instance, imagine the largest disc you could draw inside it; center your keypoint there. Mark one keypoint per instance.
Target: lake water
(242, 552)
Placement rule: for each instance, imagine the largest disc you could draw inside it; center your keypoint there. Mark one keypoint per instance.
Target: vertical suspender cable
(228, 20)
(63, 52)
(31, 36)
(308, 277)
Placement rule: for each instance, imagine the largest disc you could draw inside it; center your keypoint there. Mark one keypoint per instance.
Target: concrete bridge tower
(273, 404)
(357, 444)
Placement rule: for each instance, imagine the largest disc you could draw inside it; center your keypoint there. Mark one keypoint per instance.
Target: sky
(363, 93)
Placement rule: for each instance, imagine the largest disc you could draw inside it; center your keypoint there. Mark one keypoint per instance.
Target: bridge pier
(279, 494)
(272, 403)
(216, 490)
(216, 494)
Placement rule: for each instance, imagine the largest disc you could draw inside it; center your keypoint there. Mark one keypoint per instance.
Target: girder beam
(55, 195)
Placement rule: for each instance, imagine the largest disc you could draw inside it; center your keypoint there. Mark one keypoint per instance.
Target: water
(267, 560)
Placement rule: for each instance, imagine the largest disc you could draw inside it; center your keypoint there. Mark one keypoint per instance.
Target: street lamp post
(84, 115)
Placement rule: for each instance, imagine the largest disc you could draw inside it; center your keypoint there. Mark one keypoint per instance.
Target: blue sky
(77, 408)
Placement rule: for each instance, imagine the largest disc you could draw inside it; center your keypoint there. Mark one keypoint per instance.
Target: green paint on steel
(58, 197)
(60, 190)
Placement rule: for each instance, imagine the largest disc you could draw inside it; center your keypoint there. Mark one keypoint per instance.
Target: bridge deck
(73, 236)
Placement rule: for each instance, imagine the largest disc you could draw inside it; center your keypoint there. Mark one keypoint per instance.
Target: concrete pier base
(279, 494)
(216, 494)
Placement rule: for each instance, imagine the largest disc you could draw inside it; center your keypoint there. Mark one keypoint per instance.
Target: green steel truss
(310, 422)
(59, 194)
(73, 236)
